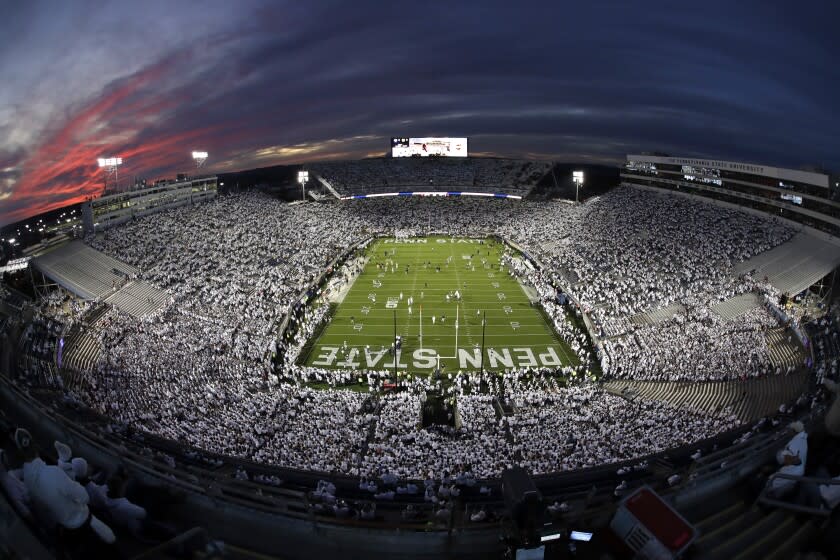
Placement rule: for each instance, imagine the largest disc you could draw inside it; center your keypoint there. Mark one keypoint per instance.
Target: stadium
(433, 356)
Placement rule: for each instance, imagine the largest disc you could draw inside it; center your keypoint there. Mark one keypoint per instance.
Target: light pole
(199, 158)
(577, 177)
(111, 164)
(303, 177)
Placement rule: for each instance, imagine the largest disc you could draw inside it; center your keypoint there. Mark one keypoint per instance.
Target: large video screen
(424, 147)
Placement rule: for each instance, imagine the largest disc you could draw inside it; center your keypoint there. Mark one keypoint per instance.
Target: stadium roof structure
(796, 265)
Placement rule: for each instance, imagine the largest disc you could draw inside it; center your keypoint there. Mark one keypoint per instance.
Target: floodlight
(303, 177)
(199, 157)
(577, 177)
(109, 162)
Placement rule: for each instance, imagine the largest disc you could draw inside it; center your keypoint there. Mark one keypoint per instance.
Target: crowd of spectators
(201, 369)
(67, 497)
(552, 429)
(695, 345)
(390, 174)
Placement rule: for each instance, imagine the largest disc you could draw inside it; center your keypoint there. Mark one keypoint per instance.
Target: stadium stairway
(138, 298)
(784, 349)
(738, 531)
(82, 351)
(92, 316)
(719, 500)
(748, 400)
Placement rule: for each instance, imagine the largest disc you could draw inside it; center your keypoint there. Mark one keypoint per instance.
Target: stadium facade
(802, 196)
(115, 209)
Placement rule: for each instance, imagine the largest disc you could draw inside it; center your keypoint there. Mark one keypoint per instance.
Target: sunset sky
(258, 83)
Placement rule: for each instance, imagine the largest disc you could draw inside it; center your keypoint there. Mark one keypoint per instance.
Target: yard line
(425, 347)
(532, 332)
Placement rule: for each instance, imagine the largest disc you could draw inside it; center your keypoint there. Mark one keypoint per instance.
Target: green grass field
(361, 331)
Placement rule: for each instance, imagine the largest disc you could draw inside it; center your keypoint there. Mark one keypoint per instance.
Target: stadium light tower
(111, 164)
(199, 158)
(303, 177)
(577, 177)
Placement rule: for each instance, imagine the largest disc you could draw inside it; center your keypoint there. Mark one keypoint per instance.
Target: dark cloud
(259, 83)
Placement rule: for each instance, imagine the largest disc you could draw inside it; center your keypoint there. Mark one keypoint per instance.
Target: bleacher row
(589, 495)
(657, 315)
(742, 531)
(729, 524)
(793, 266)
(393, 174)
(748, 400)
(784, 349)
(93, 275)
(37, 346)
(615, 327)
(138, 298)
(737, 305)
(81, 353)
(824, 342)
(82, 270)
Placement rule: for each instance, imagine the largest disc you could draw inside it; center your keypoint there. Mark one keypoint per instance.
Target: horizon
(206, 172)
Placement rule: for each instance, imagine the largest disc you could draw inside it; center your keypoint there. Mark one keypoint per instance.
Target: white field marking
(516, 356)
(444, 345)
(441, 300)
(541, 338)
(464, 295)
(447, 286)
(428, 321)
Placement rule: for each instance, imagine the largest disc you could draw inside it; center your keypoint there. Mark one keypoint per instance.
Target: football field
(437, 290)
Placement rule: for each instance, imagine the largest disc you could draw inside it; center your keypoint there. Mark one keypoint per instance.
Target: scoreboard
(424, 147)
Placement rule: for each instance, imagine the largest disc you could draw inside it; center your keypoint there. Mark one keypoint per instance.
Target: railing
(766, 499)
(709, 476)
(196, 533)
